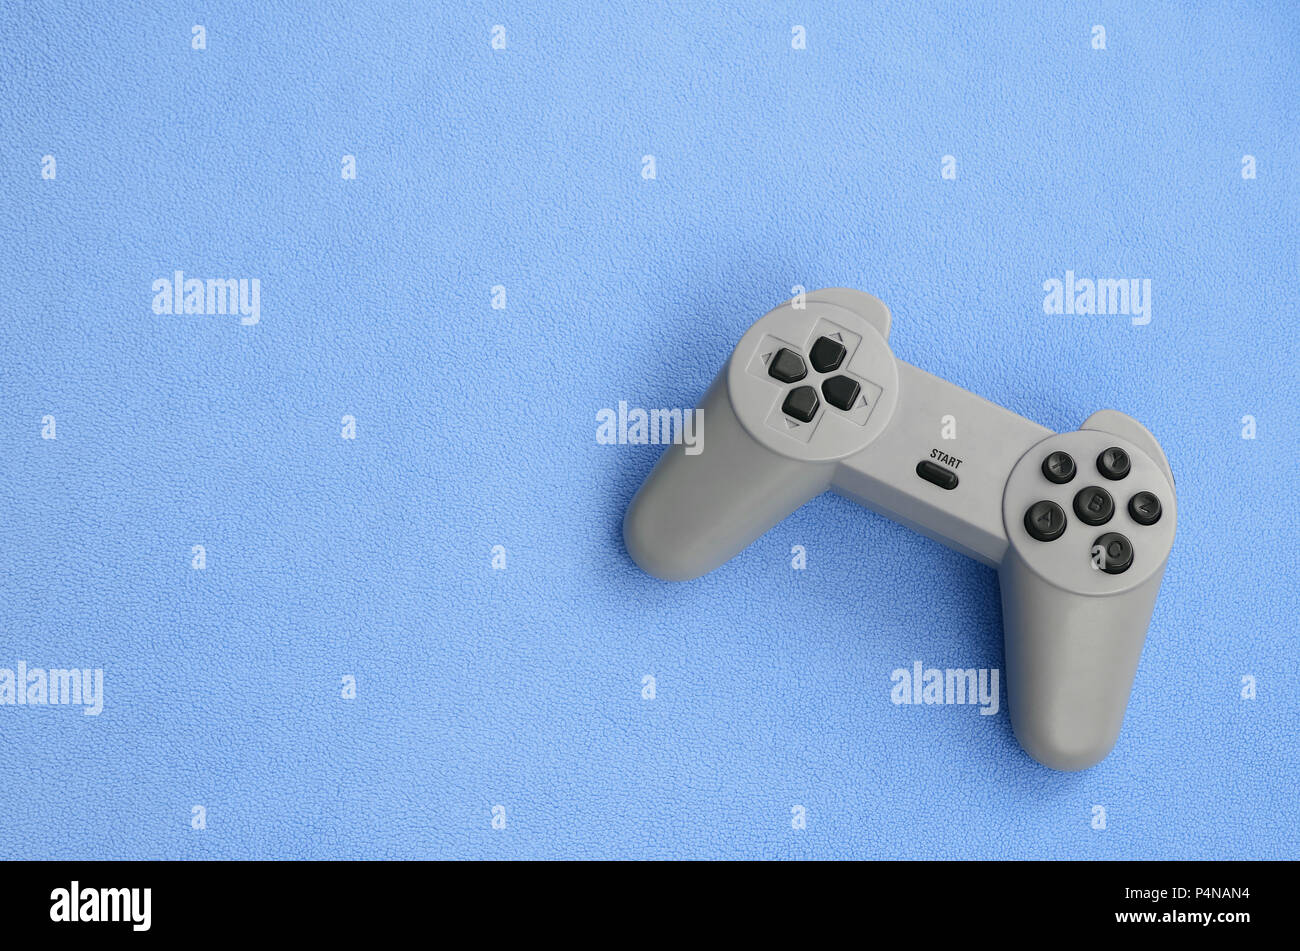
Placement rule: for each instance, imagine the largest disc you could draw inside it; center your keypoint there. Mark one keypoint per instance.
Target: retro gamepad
(1078, 524)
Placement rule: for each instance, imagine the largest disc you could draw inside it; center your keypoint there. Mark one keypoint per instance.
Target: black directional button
(826, 355)
(1045, 521)
(1113, 463)
(802, 404)
(787, 366)
(1145, 508)
(1094, 505)
(1059, 467)
(1112, 553)
(840, 391)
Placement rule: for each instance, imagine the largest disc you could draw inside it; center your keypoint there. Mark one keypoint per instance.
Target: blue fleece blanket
(309, 544)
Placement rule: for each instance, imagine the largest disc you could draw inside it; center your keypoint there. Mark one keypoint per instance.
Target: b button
(1094, 505)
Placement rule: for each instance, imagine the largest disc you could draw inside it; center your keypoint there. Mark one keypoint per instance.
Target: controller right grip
(696, 512)
(1070, 661)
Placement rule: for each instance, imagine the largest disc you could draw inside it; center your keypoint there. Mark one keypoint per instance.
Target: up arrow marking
(766, 357)
(837, 336)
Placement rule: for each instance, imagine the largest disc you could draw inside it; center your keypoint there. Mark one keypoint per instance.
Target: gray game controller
(1079, 524)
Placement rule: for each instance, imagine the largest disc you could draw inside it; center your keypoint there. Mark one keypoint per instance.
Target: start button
(941, 476)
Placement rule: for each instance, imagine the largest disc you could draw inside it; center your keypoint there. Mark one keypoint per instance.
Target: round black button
(1059, 467)
(1045, 521)
(1145, 508)
(1112, 553)
(1113, 463)
(1094, 505)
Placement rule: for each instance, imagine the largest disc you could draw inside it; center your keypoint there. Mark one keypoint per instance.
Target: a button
(1045, 521)
(1113, 463)
(1059, 467)
(1094, 505)
(841, 391)
(787, 366)
(1112, 553)
(933, 472)
(802, 404)
(826, 355)
(1145, 508)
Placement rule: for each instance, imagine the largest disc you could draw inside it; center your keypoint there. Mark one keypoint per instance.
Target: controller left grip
(696, 512)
